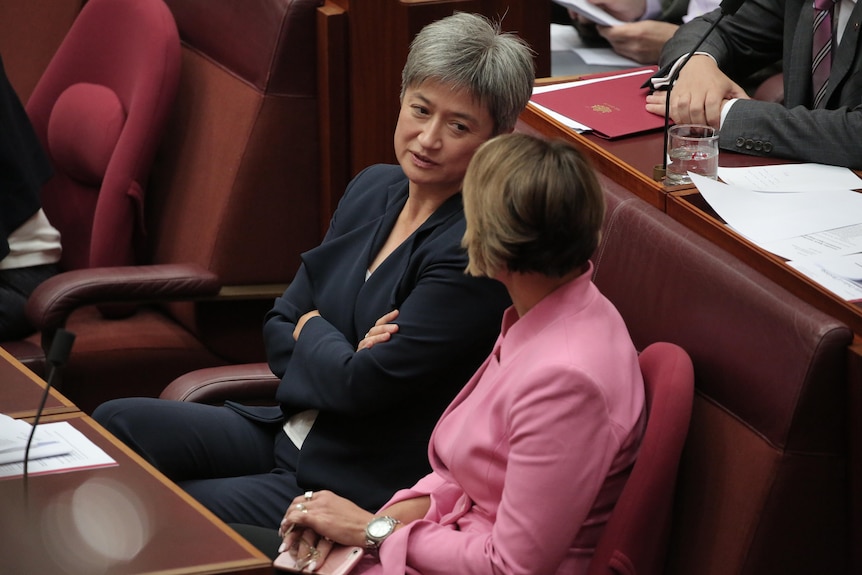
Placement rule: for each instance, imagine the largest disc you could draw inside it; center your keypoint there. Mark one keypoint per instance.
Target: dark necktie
(821, 62)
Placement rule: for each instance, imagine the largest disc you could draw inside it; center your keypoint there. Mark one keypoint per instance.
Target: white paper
(792, 178)
(564, 37)
(591, 12)
(82, 453)
(831, 243)
(767, 217)
(841, 275)
(604, 57)
(14, 434)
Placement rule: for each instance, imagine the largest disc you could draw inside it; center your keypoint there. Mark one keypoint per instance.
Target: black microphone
(61, 347)
(727, 8)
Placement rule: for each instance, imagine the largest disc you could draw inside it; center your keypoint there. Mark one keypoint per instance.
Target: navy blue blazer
(378, 406)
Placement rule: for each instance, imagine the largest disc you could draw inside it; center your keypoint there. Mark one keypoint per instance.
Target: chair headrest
(83, 130)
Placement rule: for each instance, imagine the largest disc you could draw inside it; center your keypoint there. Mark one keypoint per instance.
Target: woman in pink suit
(530, 458)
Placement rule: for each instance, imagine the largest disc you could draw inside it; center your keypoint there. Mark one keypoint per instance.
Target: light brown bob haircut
(531, 205)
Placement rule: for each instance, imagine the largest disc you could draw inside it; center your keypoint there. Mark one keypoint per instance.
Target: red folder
(612, 107)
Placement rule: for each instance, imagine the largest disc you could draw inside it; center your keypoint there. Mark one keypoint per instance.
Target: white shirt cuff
(662, 81)
(724, 110)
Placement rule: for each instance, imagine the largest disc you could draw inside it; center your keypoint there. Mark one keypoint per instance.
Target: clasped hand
(317, 520)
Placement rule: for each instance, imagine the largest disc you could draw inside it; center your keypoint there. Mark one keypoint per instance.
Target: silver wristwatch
(378, 529)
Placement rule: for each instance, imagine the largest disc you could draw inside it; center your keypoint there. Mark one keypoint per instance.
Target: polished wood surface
(627, 161)
(123, 519)
(21, 391)
(332, 58)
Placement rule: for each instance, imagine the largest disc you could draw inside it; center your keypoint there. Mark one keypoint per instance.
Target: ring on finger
(300, 507)
(309, 495)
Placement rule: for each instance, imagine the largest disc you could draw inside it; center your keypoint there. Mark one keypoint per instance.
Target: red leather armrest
(248, 383)
(57, 297)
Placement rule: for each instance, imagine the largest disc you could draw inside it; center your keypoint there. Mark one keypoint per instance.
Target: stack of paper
(13, 442)
(56, 447)
(805, 213)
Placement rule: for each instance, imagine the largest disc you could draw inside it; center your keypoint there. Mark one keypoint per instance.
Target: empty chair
(635, 539)
(99, 110)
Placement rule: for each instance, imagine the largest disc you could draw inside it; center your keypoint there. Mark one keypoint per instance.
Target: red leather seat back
(636, 536)
(763, 480)
(99, 110)
(236, 186)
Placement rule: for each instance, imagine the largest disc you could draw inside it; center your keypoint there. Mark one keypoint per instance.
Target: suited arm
(794, 133)
(739, 47)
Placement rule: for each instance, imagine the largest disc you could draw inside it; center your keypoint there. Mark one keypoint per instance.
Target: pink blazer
(529, 459)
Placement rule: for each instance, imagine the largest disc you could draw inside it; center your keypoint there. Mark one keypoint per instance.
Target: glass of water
(691, 148)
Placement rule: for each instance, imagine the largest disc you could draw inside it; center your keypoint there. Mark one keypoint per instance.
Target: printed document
(72, 449)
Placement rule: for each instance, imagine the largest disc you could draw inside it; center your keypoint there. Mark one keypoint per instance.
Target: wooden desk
(136, 519)
(629, 162)
(123, 519)
(690, 208)
(21, 390)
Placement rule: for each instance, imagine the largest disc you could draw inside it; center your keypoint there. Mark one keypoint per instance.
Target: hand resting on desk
(698, 94)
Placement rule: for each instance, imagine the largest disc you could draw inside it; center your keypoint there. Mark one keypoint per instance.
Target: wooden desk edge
(66, 405)
(763, 261)
(257, 560)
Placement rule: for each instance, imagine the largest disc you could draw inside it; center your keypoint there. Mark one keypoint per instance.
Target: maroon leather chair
(99, 110)
(232, 201)
(636, 536)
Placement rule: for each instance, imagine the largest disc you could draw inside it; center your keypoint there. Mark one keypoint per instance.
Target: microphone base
(658, 172)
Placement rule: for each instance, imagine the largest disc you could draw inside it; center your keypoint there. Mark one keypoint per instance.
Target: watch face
(379, 527)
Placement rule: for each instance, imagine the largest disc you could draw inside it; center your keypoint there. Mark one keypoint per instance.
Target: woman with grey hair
(530, 458)
(380, 328)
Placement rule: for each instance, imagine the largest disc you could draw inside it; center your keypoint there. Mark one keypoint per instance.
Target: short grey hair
(468, 51)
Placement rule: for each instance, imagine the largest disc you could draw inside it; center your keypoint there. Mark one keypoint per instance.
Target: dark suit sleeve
(797, 133)
(741, 44)
(447, 325)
